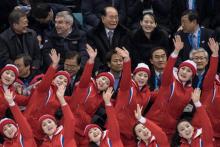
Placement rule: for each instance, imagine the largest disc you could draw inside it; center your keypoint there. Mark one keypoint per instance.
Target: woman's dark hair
(134, 133)
(151, 14)
(92, 144)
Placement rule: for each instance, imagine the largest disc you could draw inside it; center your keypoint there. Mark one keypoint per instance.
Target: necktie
(193, 41)
(110, 35)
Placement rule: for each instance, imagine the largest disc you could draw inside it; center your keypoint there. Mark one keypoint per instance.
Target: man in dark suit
(107, 35)
(193, 35)
(203, 7)
(158, 59)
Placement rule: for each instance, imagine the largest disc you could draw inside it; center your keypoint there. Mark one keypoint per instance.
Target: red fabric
(126, 103)
(210, 97)
(84, 102)
(201, 120)
(65, 137)
(157, 132)
(167, 109)
(24, 131)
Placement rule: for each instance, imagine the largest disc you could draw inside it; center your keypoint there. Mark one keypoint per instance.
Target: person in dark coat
(65, 37)
(92, 11)
(42, 18)
(146, 38)
(107, 35)
(193, 35)
(19, 39)
(203, 7)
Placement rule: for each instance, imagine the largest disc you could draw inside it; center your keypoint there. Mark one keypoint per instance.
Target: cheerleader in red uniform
(131, 92)
(87, 95)
(62, 135)
(148, 133)
(111, 136)
(199, 133)
(9, 74)
(19, 133)
(210, 96)
(174, 93)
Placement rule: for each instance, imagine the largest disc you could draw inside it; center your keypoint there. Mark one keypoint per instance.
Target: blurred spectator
(65, 37)
(26, 73)
(201, 58)
(146, 38)
(42, 19)
(19, 39)
(72, 66)
(193, 35)
(107, 35)
(203, 7)
(158, 60)
(92, 11)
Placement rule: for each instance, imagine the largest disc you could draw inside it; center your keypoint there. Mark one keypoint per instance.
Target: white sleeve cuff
(12, 104)
(174, 55)
(198, 104)
(110, 104)
(142, 120)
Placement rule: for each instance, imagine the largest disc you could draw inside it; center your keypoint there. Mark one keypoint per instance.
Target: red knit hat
(191, 64)
(12, 68)
(64, 73)
(109, 75)
(88, 127)
(6, 121)
(142, 67)
(36, 79)
(43, 117)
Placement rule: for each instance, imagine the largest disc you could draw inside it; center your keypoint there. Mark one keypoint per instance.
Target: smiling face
(185, 130)
(185, 74)
(102, 83)
(8, 77)
(200, 59)
(49, 126)
(9, 130)
(110, 20)
(22, 25)
(95, 134)
(141, 78)
(142, 132)
(60, 80)
(148, 23)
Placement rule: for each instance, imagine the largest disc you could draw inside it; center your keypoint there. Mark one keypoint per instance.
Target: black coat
(154, 81)
(204, 9)
(11, 46)
(75, 41)
(141, 46)
(98, 39)
(204, 38)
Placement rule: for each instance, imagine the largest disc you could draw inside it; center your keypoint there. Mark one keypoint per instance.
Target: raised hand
(196, 95)
(123, 52)
(178, 44)
(214, 46)
(92, 53)
(137, 112)
(54, 57)
(9, 96)
(60, 94)
(107, 95)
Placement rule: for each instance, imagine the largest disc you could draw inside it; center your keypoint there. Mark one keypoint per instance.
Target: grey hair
(66, 15)
(193, 51)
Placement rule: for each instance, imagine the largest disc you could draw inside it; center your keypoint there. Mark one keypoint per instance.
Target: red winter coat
(172, 98)
(24, 137)
(210, 97)
(127, 99)
(64, 136)
(203, 136)
(19, 99)
(85, 101)
(158, 138)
